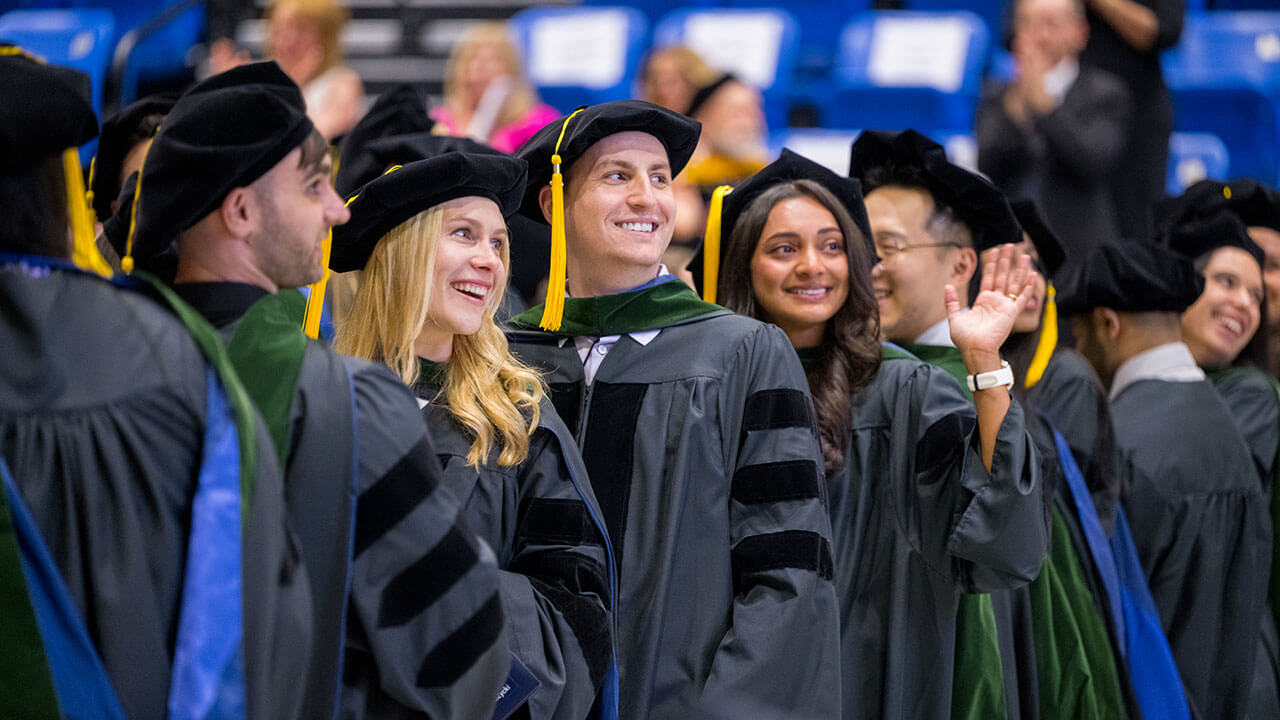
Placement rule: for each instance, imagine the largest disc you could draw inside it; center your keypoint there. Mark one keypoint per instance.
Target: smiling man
(698, 433)
(241, 178)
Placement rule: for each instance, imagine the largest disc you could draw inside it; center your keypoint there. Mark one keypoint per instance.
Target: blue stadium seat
(991, 11)
(80, 39)
(1194, 157)
(581, 55)
(820, 23)
(896, 70)
(758, 45)
(1225, 79)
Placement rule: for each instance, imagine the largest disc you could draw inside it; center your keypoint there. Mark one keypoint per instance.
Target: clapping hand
(1002, 296)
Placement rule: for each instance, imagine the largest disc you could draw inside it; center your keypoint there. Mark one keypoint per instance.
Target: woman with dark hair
(929, 494)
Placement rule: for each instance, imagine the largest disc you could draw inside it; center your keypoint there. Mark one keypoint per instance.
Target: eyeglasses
(887, 250)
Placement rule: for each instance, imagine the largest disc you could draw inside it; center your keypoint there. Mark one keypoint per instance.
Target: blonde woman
(303, 36)
(432, 240)
(486, 94)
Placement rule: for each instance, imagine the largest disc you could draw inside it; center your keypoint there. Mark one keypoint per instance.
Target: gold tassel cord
(553, 308)
(711, 243)
(126, 262)
(84, 249)
(1048, 338)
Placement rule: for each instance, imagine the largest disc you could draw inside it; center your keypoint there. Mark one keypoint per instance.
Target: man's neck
(584, 283)
(202, 269)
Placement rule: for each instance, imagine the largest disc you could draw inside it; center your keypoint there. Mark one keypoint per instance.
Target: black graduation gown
(539, 517)
(916, 521)
(102, 408)
(1200, 521)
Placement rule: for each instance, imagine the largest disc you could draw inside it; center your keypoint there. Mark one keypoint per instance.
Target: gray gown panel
(1201, 524)
(553, 575)
(102, 413)
(917, 520)
(702, 451)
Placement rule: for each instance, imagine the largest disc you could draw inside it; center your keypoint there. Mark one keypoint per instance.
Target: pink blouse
(507, 139)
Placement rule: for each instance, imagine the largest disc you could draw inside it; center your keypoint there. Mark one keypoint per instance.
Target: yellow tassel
(711, 244)
(88, 193)
(1048, 339)
(553, 308)
(84, 249)
(315, 297)
(126, 262)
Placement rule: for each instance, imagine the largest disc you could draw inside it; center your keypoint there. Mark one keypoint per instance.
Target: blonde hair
(328, 19)
(693, 69)
(493, 395)
(522, 96)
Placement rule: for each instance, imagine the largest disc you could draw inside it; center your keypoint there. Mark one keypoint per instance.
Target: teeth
(802, 291)
(881, 294)
(471, 289)
(638, 226)
(1233, 325)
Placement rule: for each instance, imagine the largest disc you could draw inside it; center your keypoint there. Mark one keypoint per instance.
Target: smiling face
(1223, 320)
(799, 269)
(619, 210)
(469, 271)
(298, 206)
(910, 280)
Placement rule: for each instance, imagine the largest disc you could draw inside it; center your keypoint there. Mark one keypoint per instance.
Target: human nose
(809, 262)
(336, 212)
(640, 193)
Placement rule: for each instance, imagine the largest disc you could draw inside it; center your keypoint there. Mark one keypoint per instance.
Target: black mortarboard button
(406, 191)
(1200, 236)
(225, 132)
(908, 158)
(397, 112)
(121, 131)
(789, 166)
(677, 133)
(1048, 246)
(44, 109)
(378, 154)
(1129, 277)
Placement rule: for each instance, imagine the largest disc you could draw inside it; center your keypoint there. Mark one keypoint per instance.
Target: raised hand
(1002, 296)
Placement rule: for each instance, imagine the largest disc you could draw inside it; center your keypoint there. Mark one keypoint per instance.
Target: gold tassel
(315, 296)
(88, 192)
(553, 308)
(84, 248)
(126, 262)
(711, 244)
(1048, 338)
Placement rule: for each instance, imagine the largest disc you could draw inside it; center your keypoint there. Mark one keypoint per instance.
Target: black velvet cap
(406, 191)
(118, 132)
(44, 109)
(789, 166)
(910, 159)
(677, 133)
(704, 93)
(1200, 236)
(373, 159)
(1256, 204)
(224, 133)
(116, 227)
(1048, 246)
(398, 112)
(1129, 276)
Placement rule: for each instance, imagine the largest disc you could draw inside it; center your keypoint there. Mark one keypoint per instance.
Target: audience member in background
(1055, 132)
(1125, 39)
(486, 94)
(304, 37)
(670, 76)
(439, 224)
(126, 134)
(131, 454)
(1191, 491)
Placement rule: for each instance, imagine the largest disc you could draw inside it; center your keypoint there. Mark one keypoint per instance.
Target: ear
(239, 212)
(544, 201)
(964, 263)
(1107, 322)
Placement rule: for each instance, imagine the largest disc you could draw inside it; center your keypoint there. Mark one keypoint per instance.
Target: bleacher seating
(1194, 157)
(1225, 79)
(908, 69)
(759, 45)
(581, 56)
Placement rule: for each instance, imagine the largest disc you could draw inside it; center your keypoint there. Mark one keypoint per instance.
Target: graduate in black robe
(1190, 487)
(239, 177)
(116, 422)
(432, 242)
(927, 501)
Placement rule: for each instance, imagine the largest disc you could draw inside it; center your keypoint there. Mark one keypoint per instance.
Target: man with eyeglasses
(929, 219)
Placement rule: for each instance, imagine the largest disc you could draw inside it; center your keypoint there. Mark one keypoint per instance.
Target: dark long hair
(1255, 353)
(34, 220)
(849, 356)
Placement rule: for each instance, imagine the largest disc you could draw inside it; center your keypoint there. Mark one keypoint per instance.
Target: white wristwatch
(995, 378)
